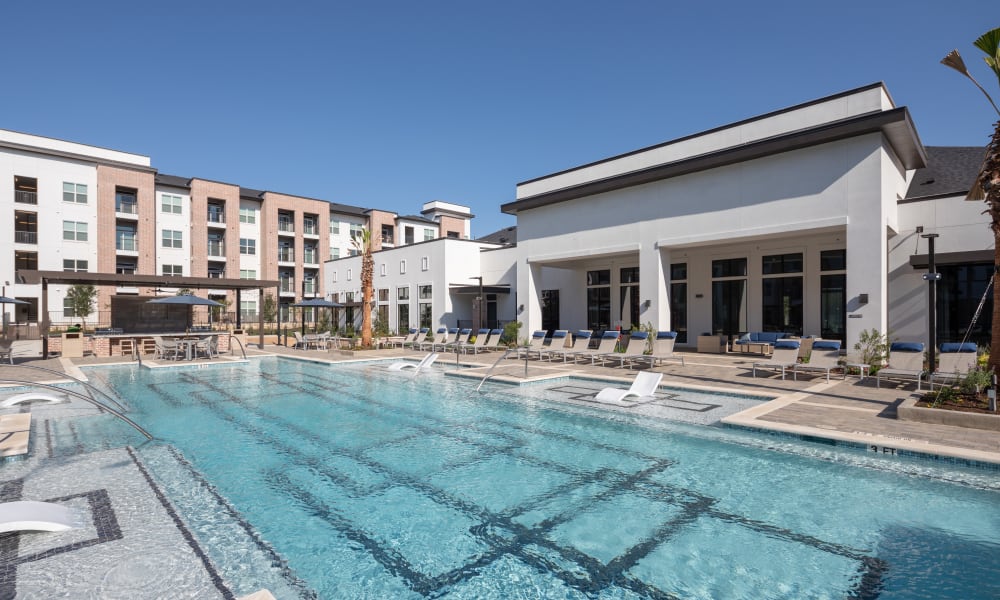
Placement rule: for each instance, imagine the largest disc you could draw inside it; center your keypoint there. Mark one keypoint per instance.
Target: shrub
(873, 348)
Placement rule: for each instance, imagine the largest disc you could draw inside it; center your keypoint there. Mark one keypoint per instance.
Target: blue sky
(393, 104)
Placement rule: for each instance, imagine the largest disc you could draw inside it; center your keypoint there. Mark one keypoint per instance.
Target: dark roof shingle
(950, 170)
(507, 235)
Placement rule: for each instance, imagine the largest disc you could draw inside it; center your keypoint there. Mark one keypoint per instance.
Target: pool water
(368, 484)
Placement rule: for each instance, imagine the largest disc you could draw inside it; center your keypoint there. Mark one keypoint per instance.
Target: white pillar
(529, 281)
(867, 251)
(654, 275)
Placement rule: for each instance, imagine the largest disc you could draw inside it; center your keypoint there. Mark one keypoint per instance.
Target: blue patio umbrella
(315, 303)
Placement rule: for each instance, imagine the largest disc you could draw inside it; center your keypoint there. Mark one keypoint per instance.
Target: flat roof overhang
(472, 289)
(198, 283)
(895, 124)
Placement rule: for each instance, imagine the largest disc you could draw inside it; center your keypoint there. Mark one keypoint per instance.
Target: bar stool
(126, 346)
(148, 346)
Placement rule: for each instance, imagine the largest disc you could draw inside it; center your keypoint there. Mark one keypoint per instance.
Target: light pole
(479, 303)
(932, 277)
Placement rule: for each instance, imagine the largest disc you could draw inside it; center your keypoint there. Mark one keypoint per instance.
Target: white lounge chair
(460, 340)
(29, 515)
(580, 340)
(409, 338)
(438, 339)
(417, 339)
(906, 361)
(663, 349)
(644, 386)
(32, 397)
(494, 342)
(482, 336)
(784, 357)
(824, 356)
(956, 360)
(607, 345)
(416, 366)
(634, 349)
(558, 343)
(536, 345)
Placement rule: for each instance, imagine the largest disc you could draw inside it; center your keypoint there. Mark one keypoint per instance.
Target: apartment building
(118, 214)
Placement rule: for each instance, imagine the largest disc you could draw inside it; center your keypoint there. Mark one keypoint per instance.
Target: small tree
(81, 299)
(363, 244)
(268, 308)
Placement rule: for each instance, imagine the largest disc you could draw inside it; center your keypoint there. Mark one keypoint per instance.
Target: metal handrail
(86, 399)
(62, 374)
(242, 348)
(490, 372)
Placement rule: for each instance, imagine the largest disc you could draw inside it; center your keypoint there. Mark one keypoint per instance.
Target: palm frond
(989, 43)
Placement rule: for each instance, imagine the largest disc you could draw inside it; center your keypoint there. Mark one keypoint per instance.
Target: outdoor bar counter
(123, 344)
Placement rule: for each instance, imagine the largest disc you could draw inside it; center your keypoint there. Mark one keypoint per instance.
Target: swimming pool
(361, 483)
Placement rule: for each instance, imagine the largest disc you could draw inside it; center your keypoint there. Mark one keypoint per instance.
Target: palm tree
(987, 184)
(363, 244)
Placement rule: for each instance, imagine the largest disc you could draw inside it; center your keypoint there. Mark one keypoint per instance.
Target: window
(216, 243)
(173, 270)
(25, 260)
(960, 290)
(248, 215)
(74, 192)
(68, 311)
(402, 317)
(403, 293)
(381, 269)
(550, 310)
(729, 296)
(678, 301)
(833, 296)
(429, 234)
(402, 267)
(170, 204)
(172, 239)
(125, 267)
(248, 274)
(426, 311)
(335, 227)
(453, 235)
(628, 297)
(248, 309)
(356, 230)
(125, 238)
(833, 260)
(72, 265)
(349, 273)
(388, 234)
(216, 270)
(781, 303)
(309, 224)
(599, 299)
(216, 211)
(425, 292)
(75, 231)
(335, 277)
(424, 263)
(248, 246)
(383, 294)
(334, 253)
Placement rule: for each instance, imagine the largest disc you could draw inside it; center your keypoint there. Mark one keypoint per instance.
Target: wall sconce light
(862, 298)
(520, 308)
(647, 303)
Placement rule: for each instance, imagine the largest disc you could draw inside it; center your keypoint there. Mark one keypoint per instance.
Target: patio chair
(420, 336)
(559, 339)
(644, 386)
(6, 351)
(482, 336)
(416, 366)
(410, 336)
(635, 348)
(578, 341)
(906, 361)
(28, 515)
(300, 341)
(207, 346)
(166, 349)
(460, 340)
(450, 338)
(784, 356)
(956, 359)
(663, 349)
(439, 338)
(494, 341)
(536, 345)
(825, 357)
(609, 339)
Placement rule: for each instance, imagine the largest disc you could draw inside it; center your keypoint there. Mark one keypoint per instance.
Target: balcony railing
(286, 255)
(308, 288)
(216, 216)
(388, 238)
(127, 208)
(25, 197)
(128, 244)
(286, 226)
(310, 258)
(26, 237)
(286, 286)
(310, 229)
(216, 249)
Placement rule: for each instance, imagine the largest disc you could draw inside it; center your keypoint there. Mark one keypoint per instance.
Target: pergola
(157, 281)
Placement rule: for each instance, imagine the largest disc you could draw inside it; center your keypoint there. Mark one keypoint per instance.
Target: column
(654, 274)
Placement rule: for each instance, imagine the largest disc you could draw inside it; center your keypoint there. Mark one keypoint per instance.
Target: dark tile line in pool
(474, 511)
(263, 545)
(48, 437)
(581, 394)
(188, 536)
(886, 451)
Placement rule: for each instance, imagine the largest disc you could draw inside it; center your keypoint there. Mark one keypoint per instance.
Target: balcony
(310, 229)
(217, 249)
(286, 286)
(127, 244)
(127, 208)
(310, 257)
(25, 237)
(286, 227)
(216, 217)
(286, 255)
(309, 288)
(25, 197)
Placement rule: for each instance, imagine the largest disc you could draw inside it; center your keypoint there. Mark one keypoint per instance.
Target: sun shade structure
(188, 299)
(315, 303)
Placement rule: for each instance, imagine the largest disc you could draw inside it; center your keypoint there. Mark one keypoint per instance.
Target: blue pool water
(375, 485)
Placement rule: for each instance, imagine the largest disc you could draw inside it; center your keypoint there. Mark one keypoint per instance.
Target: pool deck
(131, 531)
